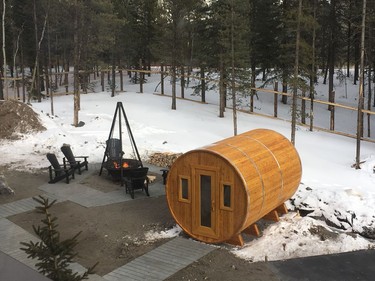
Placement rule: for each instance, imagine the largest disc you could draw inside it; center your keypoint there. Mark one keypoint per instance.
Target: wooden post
(275, 96)
(252, 230)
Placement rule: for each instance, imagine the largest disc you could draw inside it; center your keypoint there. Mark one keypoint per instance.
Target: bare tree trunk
(17, 44)
(369, 95)
(253, 93)
(275, 97)
(76, 67)
(349, 41)
(162, 79)
(49, 70)
(356, 58)
(121, 80)
(313, 73)
(23, 77)
(35, 82)
(233, 73)
(369, 102)
(173, 107)
(35, 85)
(331, 64)
(182, 78)
(221, 89)
(303, 108)
(296, 68)
(4, 52)
(174, 56)
(284, 98)
(360, 95)
(203, 85)
(141, 76)
(113, 80)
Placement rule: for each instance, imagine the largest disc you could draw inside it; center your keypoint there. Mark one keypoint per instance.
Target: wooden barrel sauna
(221, 190)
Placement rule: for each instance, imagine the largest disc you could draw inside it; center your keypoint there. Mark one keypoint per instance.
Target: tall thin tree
(296, 68)
(233, 79)
(360, 95)
(76, 66)
(4, 52)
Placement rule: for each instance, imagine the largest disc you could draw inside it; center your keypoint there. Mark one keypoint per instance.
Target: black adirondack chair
(72, 160)
(136, 179)
(114, 149)
(57, 171)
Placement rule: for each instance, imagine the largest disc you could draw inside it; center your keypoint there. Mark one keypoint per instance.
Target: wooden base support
(252, 230)
(236, 240)
(282, 209)
(274, 214)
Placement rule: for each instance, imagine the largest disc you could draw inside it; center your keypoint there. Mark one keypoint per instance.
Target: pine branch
(53, 255)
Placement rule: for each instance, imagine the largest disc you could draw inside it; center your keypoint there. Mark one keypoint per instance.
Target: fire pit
(118, 167)
(128, 165)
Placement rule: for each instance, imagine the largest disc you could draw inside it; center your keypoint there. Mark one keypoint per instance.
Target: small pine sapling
(54, 256)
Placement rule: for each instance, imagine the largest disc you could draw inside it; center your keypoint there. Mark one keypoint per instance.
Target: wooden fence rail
(163, 72)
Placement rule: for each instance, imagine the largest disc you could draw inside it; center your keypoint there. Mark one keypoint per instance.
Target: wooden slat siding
(263, 168)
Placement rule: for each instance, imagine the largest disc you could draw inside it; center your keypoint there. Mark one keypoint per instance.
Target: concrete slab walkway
(158, 264)
(161, 262)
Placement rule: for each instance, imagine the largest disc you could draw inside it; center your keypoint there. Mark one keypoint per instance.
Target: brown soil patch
(111, 235)
(17, 118)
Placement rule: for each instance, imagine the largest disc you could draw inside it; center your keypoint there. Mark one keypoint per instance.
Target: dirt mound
(16, 119)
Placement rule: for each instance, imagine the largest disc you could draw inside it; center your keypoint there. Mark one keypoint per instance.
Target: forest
(290, 41)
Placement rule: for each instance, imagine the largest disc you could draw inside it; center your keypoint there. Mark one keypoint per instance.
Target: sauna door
(204, 202)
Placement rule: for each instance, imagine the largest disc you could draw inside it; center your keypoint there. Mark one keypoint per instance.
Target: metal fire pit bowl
(115, 171)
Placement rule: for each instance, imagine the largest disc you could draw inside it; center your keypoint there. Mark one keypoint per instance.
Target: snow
(338, 199)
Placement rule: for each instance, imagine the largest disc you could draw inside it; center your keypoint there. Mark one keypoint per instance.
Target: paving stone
(158, 265)
(155, 265)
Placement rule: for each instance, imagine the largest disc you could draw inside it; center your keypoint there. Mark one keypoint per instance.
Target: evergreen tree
(263, 38)
(173, 42)
(234, 52)
(53, 254)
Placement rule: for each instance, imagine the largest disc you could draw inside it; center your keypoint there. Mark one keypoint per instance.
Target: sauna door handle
(213, 206)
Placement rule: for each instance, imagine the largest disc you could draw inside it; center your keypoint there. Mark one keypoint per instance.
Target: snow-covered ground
(331, 190)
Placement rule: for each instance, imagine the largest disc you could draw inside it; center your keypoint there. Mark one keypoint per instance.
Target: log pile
(163, 159)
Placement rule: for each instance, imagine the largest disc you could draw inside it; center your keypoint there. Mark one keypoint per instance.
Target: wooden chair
(73, 162)
(136, 179)
(114, 149)
(165, 175)
(57, 171)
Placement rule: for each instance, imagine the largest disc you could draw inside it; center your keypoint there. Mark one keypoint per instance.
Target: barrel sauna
(219, 191)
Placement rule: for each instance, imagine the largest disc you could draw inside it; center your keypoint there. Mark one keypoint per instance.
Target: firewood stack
(163, 159)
